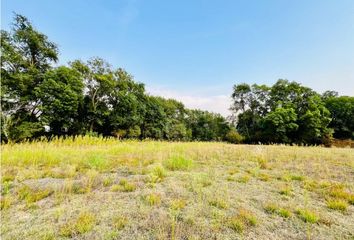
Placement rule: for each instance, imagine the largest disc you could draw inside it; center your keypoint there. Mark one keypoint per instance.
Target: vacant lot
(91, 188)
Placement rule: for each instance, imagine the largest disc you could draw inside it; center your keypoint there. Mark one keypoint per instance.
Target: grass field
(92, 188)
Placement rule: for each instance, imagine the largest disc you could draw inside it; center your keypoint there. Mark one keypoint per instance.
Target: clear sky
(196, 50)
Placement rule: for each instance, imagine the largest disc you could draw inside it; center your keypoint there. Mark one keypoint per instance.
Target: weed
(84, 223)
(153, 199)
(128, 187)
(241, 220)
(116, 188)
(307, 216)
(48, 235)
(5, 188)
(271, 208)
(32, 195)
(205, 180)
(119, 222)
(248, 217)
(178, 204)
(285, 190)
(176, 163)
(124, 186)
(107, 181)
(264, 177)
(243, 179)
(337, 204)
(263, 164)
(230, 178)
(297, 177)
(218, 203)
(5, 202)
(284, 213)
(233, 171)
(157, 175)
(339, 192)
(237, 224)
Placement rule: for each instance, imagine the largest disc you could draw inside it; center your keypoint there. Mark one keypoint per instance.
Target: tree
(126, 103)
(99, 83)
(342, 113)
(279, 125)
(61, 96)
(26, 55)
(285, 112)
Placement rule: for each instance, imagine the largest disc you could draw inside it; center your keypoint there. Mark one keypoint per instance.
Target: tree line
(40, 99)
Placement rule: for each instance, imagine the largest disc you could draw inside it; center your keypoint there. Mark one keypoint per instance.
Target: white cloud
(215, 103)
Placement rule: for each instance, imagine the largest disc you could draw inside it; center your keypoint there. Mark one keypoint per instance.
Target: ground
(94, 188)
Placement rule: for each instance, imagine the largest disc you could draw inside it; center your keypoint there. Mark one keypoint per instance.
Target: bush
(234, 137)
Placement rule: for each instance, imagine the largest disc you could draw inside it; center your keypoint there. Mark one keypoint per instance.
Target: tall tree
(26, 55)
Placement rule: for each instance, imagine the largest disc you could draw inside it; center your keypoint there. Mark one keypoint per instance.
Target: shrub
(234, 137)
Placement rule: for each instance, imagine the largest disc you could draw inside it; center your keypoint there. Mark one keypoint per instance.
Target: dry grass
(94, 188)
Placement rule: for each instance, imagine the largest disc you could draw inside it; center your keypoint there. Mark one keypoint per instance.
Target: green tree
(26, 55)
(342, 113)
(280, 125)
(99, 81)
(61, 96)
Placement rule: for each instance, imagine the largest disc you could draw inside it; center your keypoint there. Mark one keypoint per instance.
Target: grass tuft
(243, 179)
(32, 195)
(178, 204)
(119, 222)
(5, 202)
(84, 223)
(218, 203)
(153, 199)
(178, 163)
(337, 204)
(241, 220)
(307, 216)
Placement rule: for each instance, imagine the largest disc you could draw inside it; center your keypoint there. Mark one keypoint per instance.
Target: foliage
(286, 112)
(233, 137)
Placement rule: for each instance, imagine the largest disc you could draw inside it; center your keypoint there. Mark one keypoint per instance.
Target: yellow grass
(96, 188)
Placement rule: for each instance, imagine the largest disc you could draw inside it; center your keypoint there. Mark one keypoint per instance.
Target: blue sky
(196, 50)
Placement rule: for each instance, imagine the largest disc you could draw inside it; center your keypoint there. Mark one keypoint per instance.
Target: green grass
(337, 204)
(273, 208)
(218, 203)
(98, 188)
(244, 219)
(178, 163)
(307, 216)
(82, 224)
(32, 195)
(153, 199)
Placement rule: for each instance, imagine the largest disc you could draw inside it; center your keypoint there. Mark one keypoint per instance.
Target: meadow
(96, 188)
